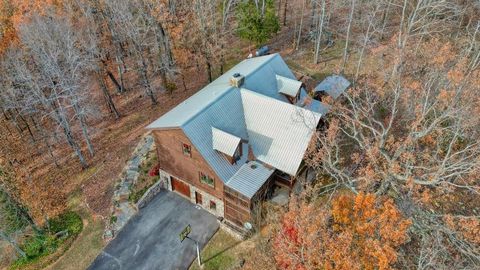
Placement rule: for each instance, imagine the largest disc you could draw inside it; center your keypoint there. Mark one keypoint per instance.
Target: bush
(70, 222)
(170, 87)
(155, 170)
(37, 246)
(46, 242)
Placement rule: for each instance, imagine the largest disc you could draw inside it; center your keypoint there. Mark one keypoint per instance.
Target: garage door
(180, 187)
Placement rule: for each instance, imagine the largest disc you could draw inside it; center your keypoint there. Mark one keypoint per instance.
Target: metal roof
(333, 85)
(288, 86)
(226, 114)
(250, 178)
(194, 105)
(224, 142)
(307, 102)
(278, 132)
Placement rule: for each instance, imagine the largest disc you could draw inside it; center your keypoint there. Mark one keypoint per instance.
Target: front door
(198, 198)
(180, 187)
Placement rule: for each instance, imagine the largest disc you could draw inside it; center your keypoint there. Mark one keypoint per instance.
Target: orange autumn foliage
(15, 12)
(354, 232)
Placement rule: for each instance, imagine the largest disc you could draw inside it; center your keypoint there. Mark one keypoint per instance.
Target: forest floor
(115, 139)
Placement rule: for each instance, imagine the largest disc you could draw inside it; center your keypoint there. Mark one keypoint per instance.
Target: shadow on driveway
(150, 239)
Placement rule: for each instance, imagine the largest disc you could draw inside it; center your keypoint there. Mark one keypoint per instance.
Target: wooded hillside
(397, 168)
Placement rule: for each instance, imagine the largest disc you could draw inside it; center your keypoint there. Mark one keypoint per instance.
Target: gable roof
(288, 86)
(224, 142)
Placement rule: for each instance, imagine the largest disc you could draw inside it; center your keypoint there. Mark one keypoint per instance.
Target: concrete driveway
(150, 239)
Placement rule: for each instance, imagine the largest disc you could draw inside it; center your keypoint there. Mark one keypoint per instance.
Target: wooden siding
(238, 208)
(172, 160)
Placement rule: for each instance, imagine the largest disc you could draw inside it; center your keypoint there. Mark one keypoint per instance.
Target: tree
(354, 232)
(257, 20)
(409, 136)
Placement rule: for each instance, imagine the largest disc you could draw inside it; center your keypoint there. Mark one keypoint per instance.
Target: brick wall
(187, 168)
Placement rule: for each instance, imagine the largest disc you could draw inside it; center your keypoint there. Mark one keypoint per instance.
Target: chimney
(237, 80)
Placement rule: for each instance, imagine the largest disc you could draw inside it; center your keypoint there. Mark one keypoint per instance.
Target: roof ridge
(229, 89)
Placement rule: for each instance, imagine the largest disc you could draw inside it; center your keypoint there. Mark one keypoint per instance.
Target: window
(213, 205)
(207, 180)
(187, 150)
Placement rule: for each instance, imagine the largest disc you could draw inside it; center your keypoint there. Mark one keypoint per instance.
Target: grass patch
(219, 253)
(61, 230)
(144, 181)
(85, 248)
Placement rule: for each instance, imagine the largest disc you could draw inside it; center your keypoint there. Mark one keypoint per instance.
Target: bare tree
(53, 75)
(347, 39)
(319, 30)
(409, 136)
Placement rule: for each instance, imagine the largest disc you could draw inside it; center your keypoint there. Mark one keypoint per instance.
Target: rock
(122, 194)
(280, 198)
(108, 235)
(132, 175)
(134, 162)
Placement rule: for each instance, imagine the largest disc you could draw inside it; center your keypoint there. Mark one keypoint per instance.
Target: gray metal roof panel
(307, 102)
(227, 115)
(333, 85)
(250, 178)
(278, 132)
(192, 106)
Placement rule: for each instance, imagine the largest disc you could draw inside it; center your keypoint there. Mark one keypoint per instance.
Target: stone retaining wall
(150, 193)
(123, 209)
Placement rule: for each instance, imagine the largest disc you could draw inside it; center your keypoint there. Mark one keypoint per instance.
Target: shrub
(170, 87)
(113, 219)
(46, 242)
(69, 221)
(154, 171)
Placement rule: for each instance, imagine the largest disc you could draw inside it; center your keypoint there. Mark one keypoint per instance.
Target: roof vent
(237, 80)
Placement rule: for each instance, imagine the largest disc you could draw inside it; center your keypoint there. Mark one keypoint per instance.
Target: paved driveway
(150, 239)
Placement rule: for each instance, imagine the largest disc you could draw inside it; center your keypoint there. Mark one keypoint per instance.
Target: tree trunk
(365, 41)
(108, 97)
(146, 81)
(285, 13)
(318, 39)
(83, 124)
(297, 44)
(13, 243)
(27, 126)
(67, 131)
(345, 51)
(183, 82)
(209, 71)
(119, 86)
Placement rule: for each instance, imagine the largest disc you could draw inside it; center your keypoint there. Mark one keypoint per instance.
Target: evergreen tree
(257, 20)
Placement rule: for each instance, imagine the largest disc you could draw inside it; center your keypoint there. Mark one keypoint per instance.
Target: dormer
(289, 88)
(230, 146)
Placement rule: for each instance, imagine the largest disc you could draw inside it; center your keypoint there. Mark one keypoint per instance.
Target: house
(227, 145)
